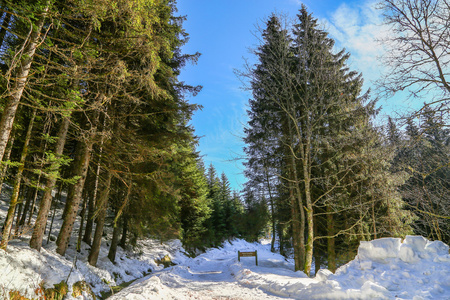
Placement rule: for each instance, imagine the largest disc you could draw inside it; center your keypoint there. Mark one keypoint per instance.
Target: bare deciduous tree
(418, 53)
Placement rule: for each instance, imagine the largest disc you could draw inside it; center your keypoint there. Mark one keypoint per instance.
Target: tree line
(95, 122)
(329, 176)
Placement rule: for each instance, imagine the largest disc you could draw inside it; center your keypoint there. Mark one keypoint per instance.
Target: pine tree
(334, 124)
(15, 195)
(308, 110)
(269, 139)
(193, 201)
(20, 71)
(254, 218)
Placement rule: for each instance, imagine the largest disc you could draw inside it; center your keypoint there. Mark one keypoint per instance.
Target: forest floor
(388, 268)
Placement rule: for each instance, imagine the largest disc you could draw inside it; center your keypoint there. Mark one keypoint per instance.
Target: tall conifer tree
(308, 109)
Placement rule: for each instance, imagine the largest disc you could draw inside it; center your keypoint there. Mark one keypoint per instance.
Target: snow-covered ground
(25, 270)
(388, 268)
(383, 269)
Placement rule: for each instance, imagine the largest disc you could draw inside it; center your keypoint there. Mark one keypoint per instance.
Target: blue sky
(223, 31)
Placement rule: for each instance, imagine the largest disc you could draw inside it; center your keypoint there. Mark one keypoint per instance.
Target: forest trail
(205, 277)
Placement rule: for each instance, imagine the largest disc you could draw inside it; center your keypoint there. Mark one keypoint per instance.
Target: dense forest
(95, 121)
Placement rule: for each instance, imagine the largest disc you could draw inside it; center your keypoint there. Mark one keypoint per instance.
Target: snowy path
(202, 278)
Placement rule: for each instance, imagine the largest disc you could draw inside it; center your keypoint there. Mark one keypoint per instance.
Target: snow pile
(383, 269)
(388, 268)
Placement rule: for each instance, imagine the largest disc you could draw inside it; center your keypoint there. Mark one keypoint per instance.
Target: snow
(388, 268)
(25, 270)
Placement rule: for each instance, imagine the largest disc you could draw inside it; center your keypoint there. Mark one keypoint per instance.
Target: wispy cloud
(358, 27)
(298, 2)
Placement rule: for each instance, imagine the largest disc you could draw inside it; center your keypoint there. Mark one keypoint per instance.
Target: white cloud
(297, 2)
(346, 19)
(357, 28)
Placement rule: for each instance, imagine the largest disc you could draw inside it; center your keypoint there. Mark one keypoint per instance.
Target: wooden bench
(248, 254)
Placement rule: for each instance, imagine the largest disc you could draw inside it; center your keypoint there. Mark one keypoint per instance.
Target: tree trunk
(102, 206)
(272, 209)
(374, 222)
(309, 207)
(310, 232)
(26, 208)
(92, 200)
(317, 260)
(281, 239)
(16, 190)
(19, 208)
(21, 215)
(123, 239)
(55, 206)
(80, 231)
(74, 169)
(331, 250)
(317, 248)
(4, 167)
(89, 221)
(115, 240)
(9, 111)
(51, 222)
(43, 150)
(46, 201)
(73, 205)
(71, 187)
(33, 203)
(298, 218)
(298, 258)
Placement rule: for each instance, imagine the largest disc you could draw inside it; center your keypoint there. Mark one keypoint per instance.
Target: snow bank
(385, 268)
(24, 269)
(149, 288)
(389, 268)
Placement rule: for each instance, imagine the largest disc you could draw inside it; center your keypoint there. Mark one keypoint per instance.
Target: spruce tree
(19, 71)
(309, 113)
(268, 133)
